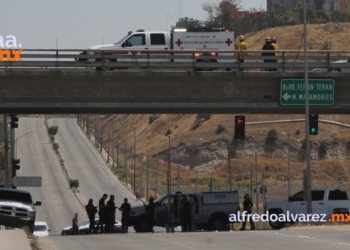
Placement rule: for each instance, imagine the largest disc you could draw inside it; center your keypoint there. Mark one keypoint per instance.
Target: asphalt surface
(38, 159)
(84, 163)
(81, 159)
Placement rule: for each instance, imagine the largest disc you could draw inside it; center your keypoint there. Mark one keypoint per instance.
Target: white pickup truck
(325, 202)
(213, 210)
(17, 208)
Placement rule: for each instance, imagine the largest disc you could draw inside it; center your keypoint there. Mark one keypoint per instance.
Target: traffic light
(239, 127)
(15, 166)
(14, 121)
(313, 122)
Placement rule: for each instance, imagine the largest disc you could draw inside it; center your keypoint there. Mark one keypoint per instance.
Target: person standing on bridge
(125, 208)
(277, 48)
(241, 46)
(102, 212)
(91, 211)
(268, 46)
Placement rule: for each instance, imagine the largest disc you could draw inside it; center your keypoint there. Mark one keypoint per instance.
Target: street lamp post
(16, 142)
(283, 133)
(169, 171)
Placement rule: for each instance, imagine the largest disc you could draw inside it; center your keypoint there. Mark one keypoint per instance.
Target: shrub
(53, 130)
(220, 129)
(302, 151)
(152, 118)
(270, 141)
(199, 119)
(322, 150)
(196, 124)
(73, 183)
(168, 132)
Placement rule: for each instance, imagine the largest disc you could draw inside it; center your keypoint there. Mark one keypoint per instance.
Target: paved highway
(84, 163)
(38, 159)
(300, 238)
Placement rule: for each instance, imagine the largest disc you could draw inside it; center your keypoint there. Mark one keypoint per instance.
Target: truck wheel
(143, 225)
(276, 224)
(104, 68)
(217, 223)
(204, 61)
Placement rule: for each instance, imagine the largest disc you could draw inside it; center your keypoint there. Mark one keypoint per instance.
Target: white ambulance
(207, 41)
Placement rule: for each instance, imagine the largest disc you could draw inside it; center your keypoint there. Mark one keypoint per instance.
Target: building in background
(345, 6)
(329, 5)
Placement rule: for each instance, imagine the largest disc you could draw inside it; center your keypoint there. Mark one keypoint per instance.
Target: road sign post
(321, 92)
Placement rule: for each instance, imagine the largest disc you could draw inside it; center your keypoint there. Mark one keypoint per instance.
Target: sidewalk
(14, 239)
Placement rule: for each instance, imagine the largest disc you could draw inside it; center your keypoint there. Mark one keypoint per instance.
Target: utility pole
(229, 166)
(147, 177)
(156, 188)
(256, 185)
(7, 172)
(109, 134)
(117, 154)
(169, 170)
(178, 178)
(88, 125)
(134, 160)
(95, 130)
(251, 179)
(288, 165)
(101, 138)
(196, 181)
(141, 176)
(113, 144)
(308, 149)
(125, 162)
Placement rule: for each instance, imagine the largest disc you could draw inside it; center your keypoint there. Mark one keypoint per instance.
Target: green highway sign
(321, 92)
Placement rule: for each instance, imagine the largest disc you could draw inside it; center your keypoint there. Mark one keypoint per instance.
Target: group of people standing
(106, 212)
(270, 44)
(188, 212)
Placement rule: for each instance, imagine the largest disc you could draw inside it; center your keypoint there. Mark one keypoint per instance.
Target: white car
(84, 227)
(41, 229)
(333, 69)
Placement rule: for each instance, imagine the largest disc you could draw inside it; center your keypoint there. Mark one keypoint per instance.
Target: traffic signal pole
(7, 172)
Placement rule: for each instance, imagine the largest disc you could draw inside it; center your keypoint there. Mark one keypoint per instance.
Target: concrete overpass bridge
(67, 92)
(62, 86)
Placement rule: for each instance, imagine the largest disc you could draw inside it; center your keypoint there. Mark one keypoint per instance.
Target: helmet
(241, 37)
(267, 39)
(273, 40)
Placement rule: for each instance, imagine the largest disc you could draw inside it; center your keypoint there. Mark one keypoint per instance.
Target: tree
(186, 22)
(319, 4)
(226, 13)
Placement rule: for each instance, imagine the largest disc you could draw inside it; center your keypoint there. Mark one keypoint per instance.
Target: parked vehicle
(41, 229)
(84, 227)
(209, 40)
(324, 201)
(17, 208)
(213, 210)
(333, 67)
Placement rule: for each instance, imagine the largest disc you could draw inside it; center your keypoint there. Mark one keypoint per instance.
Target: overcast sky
(79, 24)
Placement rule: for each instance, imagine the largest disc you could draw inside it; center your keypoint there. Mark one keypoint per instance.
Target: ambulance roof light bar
(180, 30)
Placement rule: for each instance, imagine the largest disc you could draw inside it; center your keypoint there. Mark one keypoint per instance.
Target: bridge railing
(283, 60)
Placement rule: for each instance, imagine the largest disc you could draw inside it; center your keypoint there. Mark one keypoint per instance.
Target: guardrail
(286, 60)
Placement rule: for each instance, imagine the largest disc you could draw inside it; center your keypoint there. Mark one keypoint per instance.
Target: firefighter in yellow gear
(241, 46)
